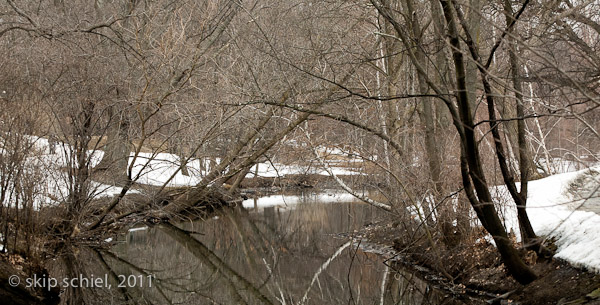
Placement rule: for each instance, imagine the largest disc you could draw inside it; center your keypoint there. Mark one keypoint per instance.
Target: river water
(284, 251)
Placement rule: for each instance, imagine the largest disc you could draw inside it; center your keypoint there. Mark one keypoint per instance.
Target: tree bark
(425, 111)
(528, 235)
(471, 165)
(474, 21)
(116, 151)
(181, 154)
(474, 182)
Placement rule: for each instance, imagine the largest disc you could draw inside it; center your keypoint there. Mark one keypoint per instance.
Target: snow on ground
(162, 166)
(159, 168)
(558, 208)
(291, 200)
(46, 163)
(49, 160)
(275, 170)
(561, 165)
(557, 205)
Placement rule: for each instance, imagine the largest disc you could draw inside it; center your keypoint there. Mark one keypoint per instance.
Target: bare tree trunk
(542, 140)
(507, 111)
(381, 52)
(426, 114)
(528, 235)
(426, 110)
(116, 151)
(471, 76)
(472, 173)
(458, 210)
(471, 165)
(78, 167)
(182, 158)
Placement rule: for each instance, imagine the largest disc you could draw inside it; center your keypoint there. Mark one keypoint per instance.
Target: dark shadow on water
(278, 255)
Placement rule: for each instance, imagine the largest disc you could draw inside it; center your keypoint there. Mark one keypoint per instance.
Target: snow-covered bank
(560, 207)
(48, 160)
(157, 169)
(162, 166)
(43, 167)
(270, 170)
(562, 165)
(291, 200)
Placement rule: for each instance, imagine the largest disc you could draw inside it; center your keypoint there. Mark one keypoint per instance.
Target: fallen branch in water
(322, 268)
(346, 188)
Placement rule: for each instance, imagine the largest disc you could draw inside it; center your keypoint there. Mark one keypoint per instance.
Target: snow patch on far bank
(272, 170)
(290, 200)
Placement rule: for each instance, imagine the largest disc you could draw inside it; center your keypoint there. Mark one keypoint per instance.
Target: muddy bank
(470, 271)
(474, 269)
(13, 290)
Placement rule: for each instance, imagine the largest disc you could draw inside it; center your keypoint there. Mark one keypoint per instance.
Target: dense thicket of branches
(441, 99)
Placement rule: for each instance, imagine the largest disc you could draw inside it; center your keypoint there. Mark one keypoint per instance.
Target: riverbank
(470, 270)
(476, 270)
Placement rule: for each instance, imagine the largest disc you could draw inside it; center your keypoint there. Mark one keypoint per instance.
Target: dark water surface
(265, 255)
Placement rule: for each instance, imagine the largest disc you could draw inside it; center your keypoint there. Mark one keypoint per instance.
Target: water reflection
(278, 255)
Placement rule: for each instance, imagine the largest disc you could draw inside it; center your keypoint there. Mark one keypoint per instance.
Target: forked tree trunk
(475, 185)
(472, 167)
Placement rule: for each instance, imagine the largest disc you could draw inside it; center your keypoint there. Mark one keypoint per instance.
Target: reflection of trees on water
(91, 264)
(233, 280)
(277, 257)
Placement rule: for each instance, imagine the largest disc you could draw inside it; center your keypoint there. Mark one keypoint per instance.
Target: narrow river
(284, 251)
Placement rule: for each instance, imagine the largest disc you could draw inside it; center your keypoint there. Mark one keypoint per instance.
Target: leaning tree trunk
(471, 164)
(221, 173)
(475, 185)
(461, 210)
